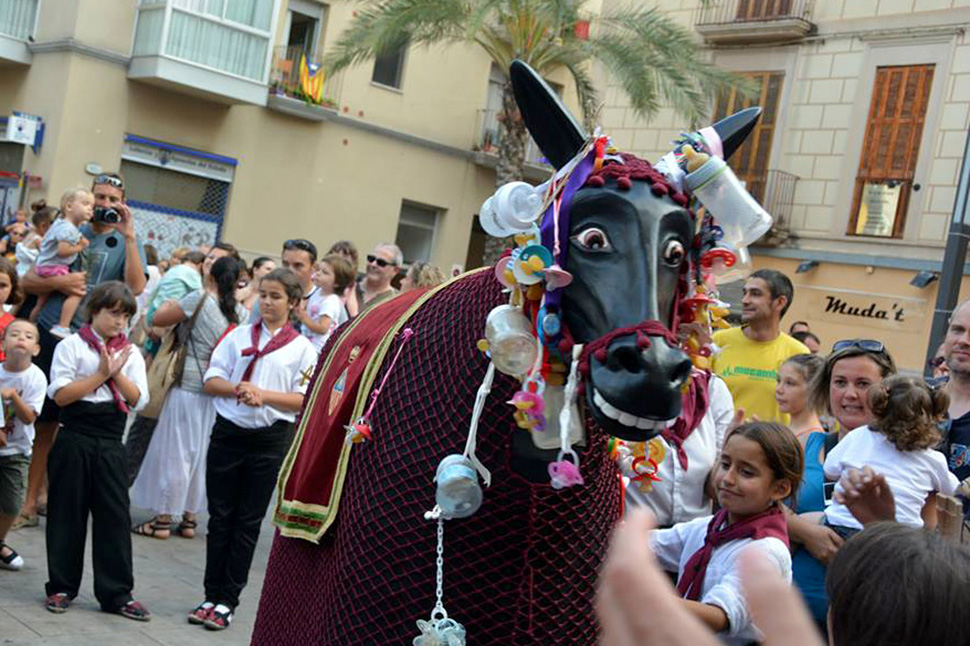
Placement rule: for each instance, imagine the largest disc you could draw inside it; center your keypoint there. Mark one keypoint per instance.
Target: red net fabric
(522, 570)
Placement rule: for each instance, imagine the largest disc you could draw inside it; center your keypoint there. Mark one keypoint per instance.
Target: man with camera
(114, 252)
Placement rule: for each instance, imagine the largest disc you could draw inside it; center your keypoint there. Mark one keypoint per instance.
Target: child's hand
(822, 543)
(83, 243)
(249, 394)
(7, 393)
(867, 495)
(111, 365)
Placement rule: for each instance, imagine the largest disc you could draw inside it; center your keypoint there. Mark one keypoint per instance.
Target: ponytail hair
(907, 410)
(225, 275)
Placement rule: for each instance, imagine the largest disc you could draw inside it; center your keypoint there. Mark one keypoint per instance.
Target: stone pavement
(168, 580)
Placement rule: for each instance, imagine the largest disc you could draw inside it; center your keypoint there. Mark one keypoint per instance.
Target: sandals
(26, 520)
(219, 618)
(11, 561)
(58, 602)
(201, 613)
(134, 610)
(153, 529)
(186, 528)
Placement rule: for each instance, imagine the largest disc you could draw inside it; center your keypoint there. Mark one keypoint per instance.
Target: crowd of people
(174, 384)
(171, 384)
(818, 470)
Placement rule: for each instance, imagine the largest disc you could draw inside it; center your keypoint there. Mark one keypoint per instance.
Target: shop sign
(22, 128)
(182, 162)
(865, 309)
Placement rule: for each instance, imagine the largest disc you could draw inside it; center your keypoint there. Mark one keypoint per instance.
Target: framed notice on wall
(877, 209)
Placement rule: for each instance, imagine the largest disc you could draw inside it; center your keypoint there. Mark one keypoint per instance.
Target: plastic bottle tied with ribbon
(511, 343)
(512, 209)
(458, 494)
(740, 217)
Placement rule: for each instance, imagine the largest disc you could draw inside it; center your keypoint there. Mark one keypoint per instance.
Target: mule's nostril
(680, 372)
(624, 357)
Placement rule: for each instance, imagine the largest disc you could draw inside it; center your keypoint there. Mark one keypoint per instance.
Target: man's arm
(134, 271)
(73, 284)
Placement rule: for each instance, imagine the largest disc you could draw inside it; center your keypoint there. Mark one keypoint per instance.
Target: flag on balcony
(311, 79)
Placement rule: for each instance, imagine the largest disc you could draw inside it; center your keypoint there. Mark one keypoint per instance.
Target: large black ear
(557, 133)
(734, 129)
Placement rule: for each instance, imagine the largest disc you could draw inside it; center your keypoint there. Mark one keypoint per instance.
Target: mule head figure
(630, 235)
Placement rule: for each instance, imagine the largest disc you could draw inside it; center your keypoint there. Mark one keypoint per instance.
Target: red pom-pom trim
(624, 183)
(596, 182)
(600, 355)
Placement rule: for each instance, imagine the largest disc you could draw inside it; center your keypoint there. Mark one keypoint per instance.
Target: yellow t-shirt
(750, 370)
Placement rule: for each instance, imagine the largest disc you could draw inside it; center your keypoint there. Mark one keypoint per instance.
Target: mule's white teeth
(628, 419)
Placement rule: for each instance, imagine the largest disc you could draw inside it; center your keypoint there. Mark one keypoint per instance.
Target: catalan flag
(311, 79)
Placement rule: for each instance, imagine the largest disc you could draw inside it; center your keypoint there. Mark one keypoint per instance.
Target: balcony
(742, 22)
(488, 132)
(18, 19)
(775, 191)
(289, 94)
(217, 50)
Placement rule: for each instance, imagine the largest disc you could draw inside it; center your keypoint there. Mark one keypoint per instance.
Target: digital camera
(106, 214)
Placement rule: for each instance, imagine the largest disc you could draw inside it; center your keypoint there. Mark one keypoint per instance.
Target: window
(389, 67)
(750, 161)
(894, 131)
(763, 9)
(416, 232)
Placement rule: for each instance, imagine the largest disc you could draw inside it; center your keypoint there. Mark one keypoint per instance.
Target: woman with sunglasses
(839, 389)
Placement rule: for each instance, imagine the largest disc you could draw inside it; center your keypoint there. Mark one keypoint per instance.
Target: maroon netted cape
(522, 570)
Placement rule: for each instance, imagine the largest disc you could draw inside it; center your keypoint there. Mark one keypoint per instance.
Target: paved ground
(168, 579)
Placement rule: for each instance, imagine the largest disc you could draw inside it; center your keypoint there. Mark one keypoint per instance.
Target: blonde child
(22, 388)
(792, 391)
(258, 375)
(759, 467)
(59, 250)
(899, 445)
(325, 309)
(97, 377)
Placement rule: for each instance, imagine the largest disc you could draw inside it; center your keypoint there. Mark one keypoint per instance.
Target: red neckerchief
(768, 524)
(114, 344)
(286, 334)
(695, 403)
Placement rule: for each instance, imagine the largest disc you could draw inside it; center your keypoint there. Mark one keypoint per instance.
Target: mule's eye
(593, 239)
(674, 253)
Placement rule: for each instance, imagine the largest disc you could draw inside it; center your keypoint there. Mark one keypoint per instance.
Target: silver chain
(439, 606)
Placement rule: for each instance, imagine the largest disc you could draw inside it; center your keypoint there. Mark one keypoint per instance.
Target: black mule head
(556, 132)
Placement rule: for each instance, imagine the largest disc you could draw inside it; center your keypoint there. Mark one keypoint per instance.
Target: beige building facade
(200, 105)
(866, 113)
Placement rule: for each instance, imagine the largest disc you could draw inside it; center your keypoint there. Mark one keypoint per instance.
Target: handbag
(166, 369)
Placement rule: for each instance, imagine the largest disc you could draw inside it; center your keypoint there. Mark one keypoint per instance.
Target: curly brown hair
(907, 410)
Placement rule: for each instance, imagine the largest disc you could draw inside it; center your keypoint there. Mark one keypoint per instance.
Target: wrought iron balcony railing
(775, 191)
(286, 78)
(746, 21)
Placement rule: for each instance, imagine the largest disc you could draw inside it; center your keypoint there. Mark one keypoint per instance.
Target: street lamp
(954, 259)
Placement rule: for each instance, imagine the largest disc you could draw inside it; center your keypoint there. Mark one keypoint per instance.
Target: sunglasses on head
(111, 180)
(302, 245)
(380, 262)
(869, 345)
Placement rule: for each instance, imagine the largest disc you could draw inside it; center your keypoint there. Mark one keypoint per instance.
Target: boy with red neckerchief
(97, 378)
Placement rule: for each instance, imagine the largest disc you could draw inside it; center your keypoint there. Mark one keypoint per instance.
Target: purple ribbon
(548, 227)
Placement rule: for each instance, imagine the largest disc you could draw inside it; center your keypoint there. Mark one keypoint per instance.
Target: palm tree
(655, 60)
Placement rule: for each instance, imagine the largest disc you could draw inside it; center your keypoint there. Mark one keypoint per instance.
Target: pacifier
(530, 411)
(530, 264)
(458, 494)
(564, 473)
(357, 432)
(441, 632)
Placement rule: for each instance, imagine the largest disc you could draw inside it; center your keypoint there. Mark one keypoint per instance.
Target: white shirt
(75, 360)
(286, 370)
(319, 305)
(681, 495)
(912, 475)
(32, 386)
(722, 582)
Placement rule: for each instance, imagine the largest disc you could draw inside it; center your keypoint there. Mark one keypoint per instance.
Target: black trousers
(241, 470)
(136, 445)
(86, 471)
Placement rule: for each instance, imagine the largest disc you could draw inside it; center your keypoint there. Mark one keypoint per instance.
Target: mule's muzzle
(636, 392)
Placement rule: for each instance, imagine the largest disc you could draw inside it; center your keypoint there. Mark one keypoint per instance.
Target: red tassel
(600, 355)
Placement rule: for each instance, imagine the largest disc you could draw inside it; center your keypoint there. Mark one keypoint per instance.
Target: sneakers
(11, 561)
(201, 613)
(60, 331)
(58, 602)
(134, 610)
(219, 618)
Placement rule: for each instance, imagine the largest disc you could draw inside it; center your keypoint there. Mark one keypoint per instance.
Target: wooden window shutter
(750, 10)
(894, 132)
(750, 161)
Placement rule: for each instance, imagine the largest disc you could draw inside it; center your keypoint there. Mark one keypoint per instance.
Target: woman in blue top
(839, 389)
